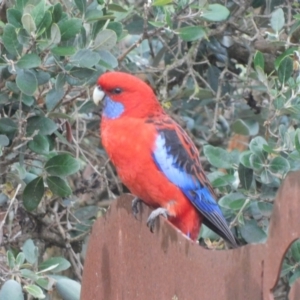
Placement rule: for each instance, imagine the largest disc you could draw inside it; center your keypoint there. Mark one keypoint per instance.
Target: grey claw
(135, 206)
(154, 214)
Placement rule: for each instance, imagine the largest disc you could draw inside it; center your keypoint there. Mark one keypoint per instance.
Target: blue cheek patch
(112, 109)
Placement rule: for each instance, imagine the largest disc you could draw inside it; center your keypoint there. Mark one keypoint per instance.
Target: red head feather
(137, 97)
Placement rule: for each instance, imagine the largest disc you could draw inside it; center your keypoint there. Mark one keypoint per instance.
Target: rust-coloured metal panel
(126, 261)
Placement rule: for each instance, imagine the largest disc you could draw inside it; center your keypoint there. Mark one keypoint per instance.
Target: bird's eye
(117, 91)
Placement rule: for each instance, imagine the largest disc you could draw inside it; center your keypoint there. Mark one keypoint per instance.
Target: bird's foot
(135, 206)
(154, 214)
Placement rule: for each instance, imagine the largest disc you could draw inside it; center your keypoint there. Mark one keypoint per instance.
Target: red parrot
(155, 158)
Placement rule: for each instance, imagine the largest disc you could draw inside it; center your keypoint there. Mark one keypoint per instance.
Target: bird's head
(125, 95)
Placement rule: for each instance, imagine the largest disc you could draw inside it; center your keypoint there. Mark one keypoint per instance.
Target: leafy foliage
(229, 71)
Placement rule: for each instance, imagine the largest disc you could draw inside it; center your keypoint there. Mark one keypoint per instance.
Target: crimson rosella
(155, 158)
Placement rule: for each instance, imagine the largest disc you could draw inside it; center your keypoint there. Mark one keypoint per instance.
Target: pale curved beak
(98, 95)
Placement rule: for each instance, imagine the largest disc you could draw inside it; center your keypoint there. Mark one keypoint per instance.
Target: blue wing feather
(172, 158)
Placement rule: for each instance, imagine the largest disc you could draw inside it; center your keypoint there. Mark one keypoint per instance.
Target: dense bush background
(227, 71)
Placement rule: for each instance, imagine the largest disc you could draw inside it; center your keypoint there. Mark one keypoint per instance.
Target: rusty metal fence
(126, 261)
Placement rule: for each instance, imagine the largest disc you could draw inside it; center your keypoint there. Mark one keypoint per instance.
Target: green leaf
(215, 13)
(256, 145)
(116, 7)
(26, 82)
(108, 60)
(7, 125)
(28, 23)
(245, 127)
(39, 144)
(279, 165)
(85, 58)
(55, 34)
(45, 23)
(57, 12)
(117, 27)
(81, 5)
(20, 4)
(44, 125)
(105, 40)
(218, 157)
(58, 186)
(20, 259)
(161, 2)
(46, 283)
(62, 165)
(295, 249)
(10, 259)
(297, 140)
(4, 140)
(285, 69)
(10, 40)
(259, 60)
(38, 12)
(277, 20)
(226, 200)
(285, 54)
(256, 162)
(63, 51)
(61, 264)
(191, 33)
(251, 233)
(28, 274)
(29, 61)
(294, 277)
(11, 289)
(14, 17)
(245, 159)
(33, 193)
(68, 289)
(53, 97)
(266, 177)
(69, 28)
(30, 251)
(245, 176)
(34, 291)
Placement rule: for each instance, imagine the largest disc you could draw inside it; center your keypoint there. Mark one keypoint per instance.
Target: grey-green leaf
(245, 127)
(33, 193)
(26, 82)
(62, 165)
(11, 289)
(34, 291)
(68, 289)
(62, 264)
(30, 251)
(10, 40)
(215, 13)
(4, 141)
(58, 186)
(277, 20)
(191, 33)
(285, 69)
(105, 40)
(7, 125)
(28, 23)
(44, 125)
(218, 157)
(251, 233)
(245, 176)
(69, 28)
(279, 165)
(28, 61)
(39, 144)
